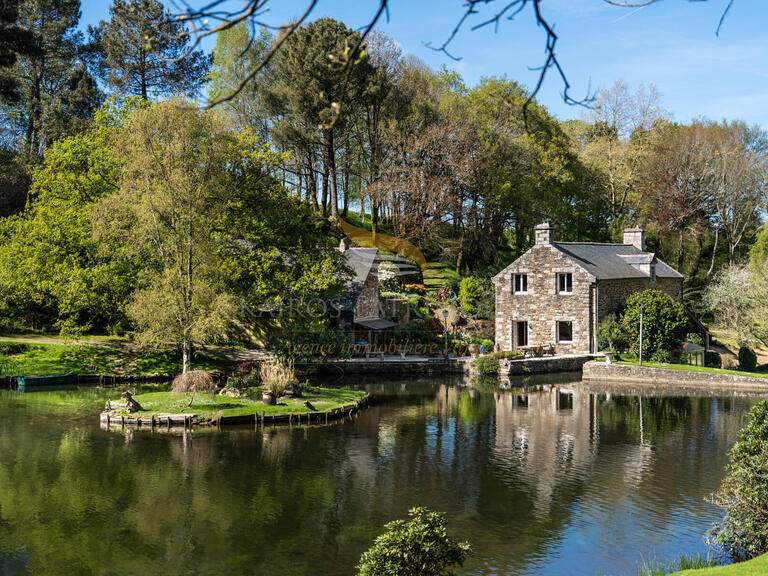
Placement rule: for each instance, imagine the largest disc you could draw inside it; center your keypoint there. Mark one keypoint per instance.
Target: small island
(167, 409)
(270, 395)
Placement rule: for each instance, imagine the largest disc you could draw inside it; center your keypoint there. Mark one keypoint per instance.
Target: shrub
(488, 364)
(664, 322)
(712, 359)
(275, 377)
(611, 335)
(747, 359)
(662, 357)
(470, 292)
(389, 277)
(743, 531)
(13, 348)
(193, 382)
(420, 546)
(419, 289)
(500, 355)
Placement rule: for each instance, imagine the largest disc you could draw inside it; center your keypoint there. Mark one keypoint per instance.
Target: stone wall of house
(368, 303)
(542, 307)
(613, 294)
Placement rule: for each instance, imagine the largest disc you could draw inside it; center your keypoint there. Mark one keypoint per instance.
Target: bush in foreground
(486, 364)
(416, 547)
(743, 532)
(665, 322)
(747, 359)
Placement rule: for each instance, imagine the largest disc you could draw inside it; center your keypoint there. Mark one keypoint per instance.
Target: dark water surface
(563, 480)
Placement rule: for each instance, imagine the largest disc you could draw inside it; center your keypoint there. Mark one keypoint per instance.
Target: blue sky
(671, 44)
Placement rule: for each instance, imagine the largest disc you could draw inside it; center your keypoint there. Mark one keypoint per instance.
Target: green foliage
(661, 356)
(758, 253)
(389, 278)
(52, 269)
(664, 322)
(611, 335)
(145, 52)
(743, 531)
(488, 364)
(417, 547)
(474, 296)
(747, 359)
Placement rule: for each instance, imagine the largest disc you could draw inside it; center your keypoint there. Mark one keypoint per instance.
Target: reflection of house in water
(547, 435)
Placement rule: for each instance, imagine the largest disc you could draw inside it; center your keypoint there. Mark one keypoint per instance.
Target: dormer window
(564, 283)
(520, 283)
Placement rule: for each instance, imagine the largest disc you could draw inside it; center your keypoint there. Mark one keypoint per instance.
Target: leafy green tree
(417, 547)
(52, 269)
(665, 322)
(139, 51)
(197, 203)
(743, 531)
(611, 335)
(235, 53)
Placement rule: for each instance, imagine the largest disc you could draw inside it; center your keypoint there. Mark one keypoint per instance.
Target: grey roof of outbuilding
(361, 261)
(605, 262)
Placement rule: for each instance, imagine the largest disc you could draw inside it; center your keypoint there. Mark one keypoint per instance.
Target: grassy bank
(27, 357)
(625, 359)
(323, 399)
(756, 567)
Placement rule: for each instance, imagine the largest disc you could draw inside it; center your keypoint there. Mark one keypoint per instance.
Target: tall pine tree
(139, 52)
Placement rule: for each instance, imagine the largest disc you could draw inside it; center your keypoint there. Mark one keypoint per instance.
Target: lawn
(30, 357)
(439, 274)
(323, 399)
(756, 567)
(686, 367)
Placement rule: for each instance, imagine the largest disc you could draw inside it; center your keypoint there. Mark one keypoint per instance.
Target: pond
(555, 479)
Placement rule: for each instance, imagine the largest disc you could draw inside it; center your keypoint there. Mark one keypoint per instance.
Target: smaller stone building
(558, 292)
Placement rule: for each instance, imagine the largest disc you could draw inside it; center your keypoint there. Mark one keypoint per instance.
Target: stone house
(359, 307)
(558, 292)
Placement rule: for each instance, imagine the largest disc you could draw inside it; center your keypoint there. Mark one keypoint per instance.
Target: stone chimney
(544, 233)
(636, 237)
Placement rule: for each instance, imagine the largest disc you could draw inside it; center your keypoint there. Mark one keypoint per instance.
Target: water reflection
(549, 476)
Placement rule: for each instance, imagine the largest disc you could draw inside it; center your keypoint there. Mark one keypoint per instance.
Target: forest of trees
(323, 131)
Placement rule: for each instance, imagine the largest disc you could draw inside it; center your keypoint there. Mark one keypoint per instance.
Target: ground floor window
(565, 331)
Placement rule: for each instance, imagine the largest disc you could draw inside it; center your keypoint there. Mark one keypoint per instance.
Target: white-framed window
(564, 331)
(564, 283)
(520, 283)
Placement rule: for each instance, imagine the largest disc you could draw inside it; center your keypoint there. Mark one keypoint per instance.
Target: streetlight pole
(445, 330)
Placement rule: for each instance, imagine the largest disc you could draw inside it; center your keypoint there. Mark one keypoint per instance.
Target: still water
(557, 479)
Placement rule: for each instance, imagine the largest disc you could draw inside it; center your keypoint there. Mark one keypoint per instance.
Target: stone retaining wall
(433, 367)
(546, 365)
(619, 373)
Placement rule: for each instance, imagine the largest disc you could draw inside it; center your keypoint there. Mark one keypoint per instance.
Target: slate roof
(610, 262)
(361, 261)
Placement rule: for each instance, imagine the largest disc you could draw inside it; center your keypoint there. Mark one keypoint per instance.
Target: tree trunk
(324, 198)
(345, 180)
(681, 250)
(714, 254)
(186, 352)
(330, 158)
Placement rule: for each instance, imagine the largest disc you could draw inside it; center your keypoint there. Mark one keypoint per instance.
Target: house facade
(558, 292)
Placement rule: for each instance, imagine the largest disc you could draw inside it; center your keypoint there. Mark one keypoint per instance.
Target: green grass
(41, 359)
(756, 567)
(689, 368)
(439, 274)
(322, 399)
